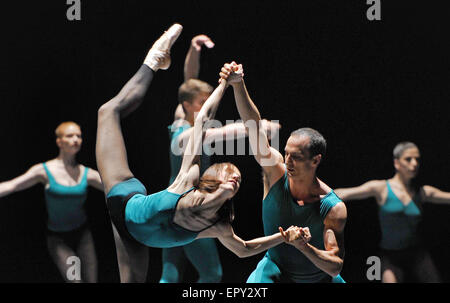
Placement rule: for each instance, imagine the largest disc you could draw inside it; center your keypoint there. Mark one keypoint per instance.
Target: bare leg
(111, 154)
(60, 253)
(88, 257)
(132, 270)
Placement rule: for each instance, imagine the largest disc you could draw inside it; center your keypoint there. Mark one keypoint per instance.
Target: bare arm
(179, 113)
(230, 131)
(192, 61)
(369, 189)
(269, 158)
(94, 179)
(248, 248)
(34, 175)
(331, 259)
(207, 112)
(435, 195)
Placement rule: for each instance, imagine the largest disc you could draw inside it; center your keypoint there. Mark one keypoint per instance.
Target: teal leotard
(149, 218)
(208, 265)
(399, 223)
(65, 204)
(285, 263)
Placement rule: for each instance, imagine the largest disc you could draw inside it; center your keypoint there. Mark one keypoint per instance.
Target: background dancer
(400, 203)
(66, 183)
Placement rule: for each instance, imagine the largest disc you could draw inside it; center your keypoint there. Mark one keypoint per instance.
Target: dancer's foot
(159, 55)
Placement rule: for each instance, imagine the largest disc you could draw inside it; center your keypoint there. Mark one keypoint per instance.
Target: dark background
(366, 85)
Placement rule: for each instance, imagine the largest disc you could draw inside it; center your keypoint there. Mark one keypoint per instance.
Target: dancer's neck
(67, 159)
(406, 182)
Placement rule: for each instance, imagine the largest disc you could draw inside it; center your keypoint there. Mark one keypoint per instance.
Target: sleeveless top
(65, 204)
(399, 223)
(149, 219)
(281, 209)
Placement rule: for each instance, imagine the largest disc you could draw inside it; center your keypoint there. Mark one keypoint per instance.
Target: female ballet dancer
(193, 206)
(400, 202)
(66, 184)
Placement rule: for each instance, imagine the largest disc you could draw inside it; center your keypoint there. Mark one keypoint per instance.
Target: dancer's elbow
(336, 268)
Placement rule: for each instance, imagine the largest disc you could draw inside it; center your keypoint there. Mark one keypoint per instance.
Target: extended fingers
(200, 40)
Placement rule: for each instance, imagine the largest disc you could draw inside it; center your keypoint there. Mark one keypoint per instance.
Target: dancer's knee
(107, 109)
(212, 275)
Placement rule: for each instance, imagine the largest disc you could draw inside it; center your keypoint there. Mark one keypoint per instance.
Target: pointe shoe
(158, 56)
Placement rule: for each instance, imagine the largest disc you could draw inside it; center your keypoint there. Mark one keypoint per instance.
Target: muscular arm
(94, 180)
(269, 158)
(33, 176)
(227, 132)
(435, 195)
(331, 259)
(248, 248)
(230, 131)
(367, 190)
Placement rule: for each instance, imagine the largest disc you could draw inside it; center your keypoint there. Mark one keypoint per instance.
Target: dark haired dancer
(293, 195)
(400, 211)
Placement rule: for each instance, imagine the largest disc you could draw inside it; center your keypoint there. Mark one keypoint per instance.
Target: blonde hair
(191, 88)
(59, 131)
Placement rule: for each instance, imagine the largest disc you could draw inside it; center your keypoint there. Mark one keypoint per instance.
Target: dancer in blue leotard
(191, 96)
(400, 200)
(66, 184)
(193, 206)
(293, 195)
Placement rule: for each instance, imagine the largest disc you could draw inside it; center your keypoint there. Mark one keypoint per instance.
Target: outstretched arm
(331, 259)
(435, 195)
(94, 179)
(269, 158)
(369, 189)
(252, 247)
(232, 131)
(34, 175)
(192, 61)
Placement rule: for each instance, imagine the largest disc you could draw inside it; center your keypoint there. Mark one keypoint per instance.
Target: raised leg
(111, 153)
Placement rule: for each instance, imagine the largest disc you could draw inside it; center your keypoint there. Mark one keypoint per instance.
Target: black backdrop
(365, 85)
